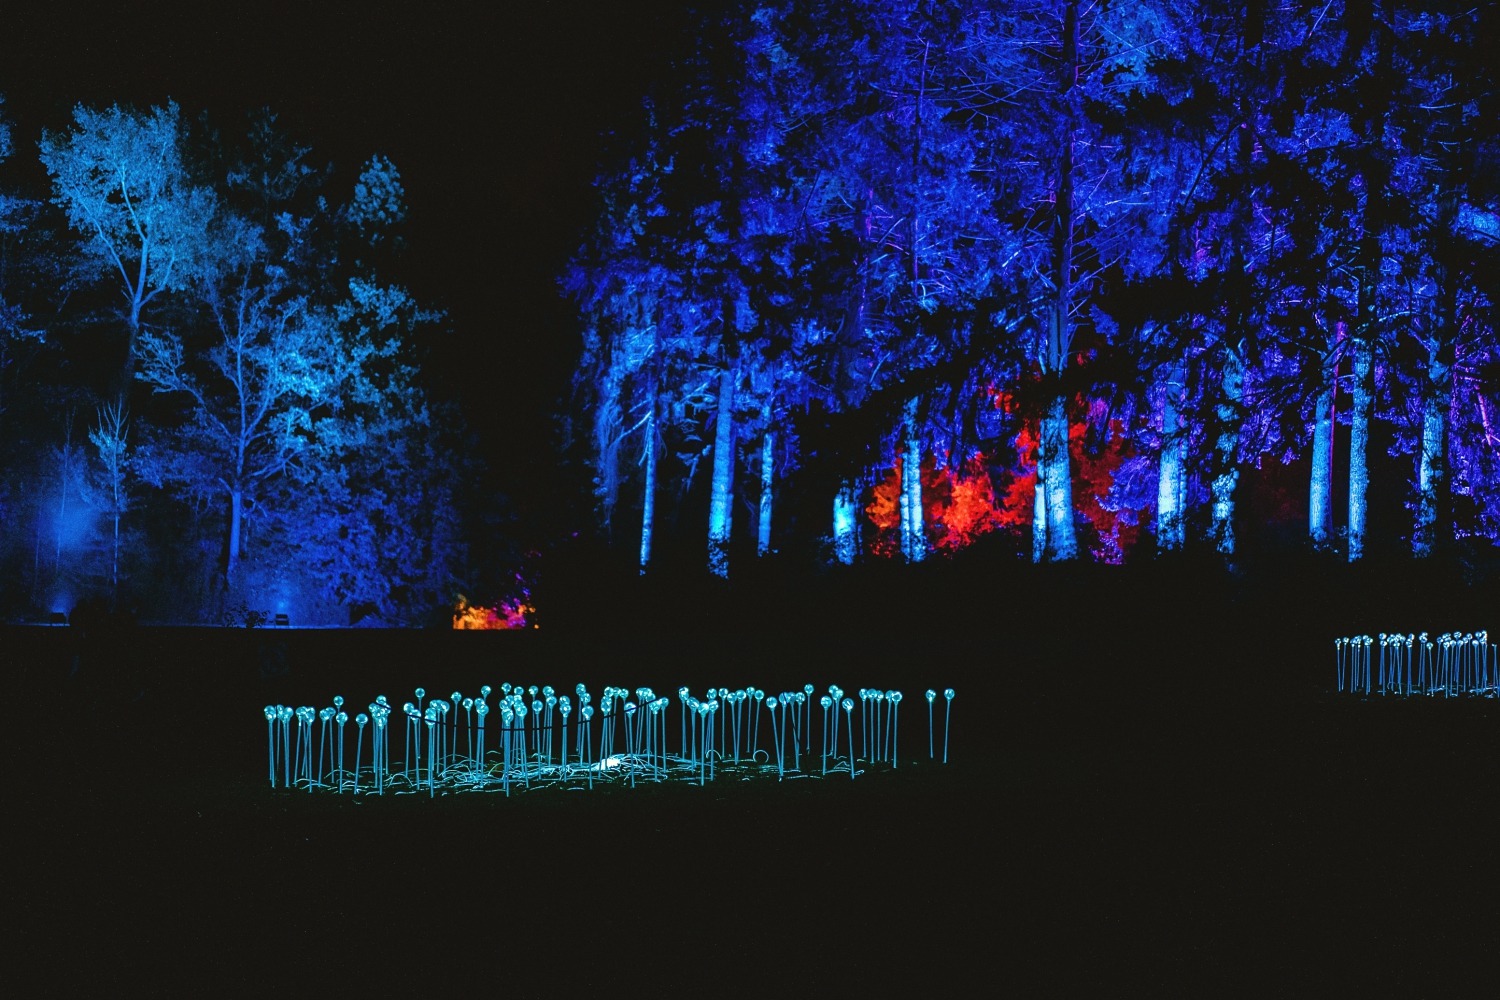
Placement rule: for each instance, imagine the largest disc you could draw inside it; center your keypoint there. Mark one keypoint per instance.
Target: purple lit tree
(1449, 240)
(642, 334)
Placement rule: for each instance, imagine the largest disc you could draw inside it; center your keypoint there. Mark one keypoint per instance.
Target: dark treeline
(876, 279)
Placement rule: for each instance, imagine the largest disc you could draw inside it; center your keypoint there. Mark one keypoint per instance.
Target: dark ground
(1139, 801)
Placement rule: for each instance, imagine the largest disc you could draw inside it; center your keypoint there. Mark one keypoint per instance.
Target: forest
(865, 282)
(1084, 281)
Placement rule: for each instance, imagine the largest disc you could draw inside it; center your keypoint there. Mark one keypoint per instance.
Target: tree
(1046, 84)
(370, 510)
(641, 328)
(110, 484)
(301, 413)
(1450, 240)
(119, 176)
(258, 387)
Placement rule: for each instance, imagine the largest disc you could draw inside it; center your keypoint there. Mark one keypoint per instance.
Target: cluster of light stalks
(535, 738)
(1393, 663)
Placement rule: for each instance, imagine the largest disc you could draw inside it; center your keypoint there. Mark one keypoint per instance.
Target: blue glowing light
(455, 757)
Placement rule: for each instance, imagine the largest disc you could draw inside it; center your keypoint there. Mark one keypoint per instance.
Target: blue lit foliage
(119, 176)
(1226, 231)
(285, 409)
(14, 322)
(20, 337)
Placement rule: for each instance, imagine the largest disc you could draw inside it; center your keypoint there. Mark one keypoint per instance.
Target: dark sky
(492, 111)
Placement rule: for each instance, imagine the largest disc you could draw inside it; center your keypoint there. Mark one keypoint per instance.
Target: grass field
(1139, 800)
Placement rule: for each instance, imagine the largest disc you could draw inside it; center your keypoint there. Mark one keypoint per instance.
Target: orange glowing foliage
(508, 614)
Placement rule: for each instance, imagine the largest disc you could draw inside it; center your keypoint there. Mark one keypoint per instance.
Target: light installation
(549, 740)
(1394, 663)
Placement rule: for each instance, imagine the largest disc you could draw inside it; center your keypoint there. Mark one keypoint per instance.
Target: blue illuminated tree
(737, 236)
(907, 232)
(1359, 166)
(299, 409)
(111, 484)
(633, 334)
(370, 512)
(1227, 324)
(1366, 166)
(1049, 81)
(120, 177)
(257, 387)
(1447, 240)
(684, 285)
(923, 217)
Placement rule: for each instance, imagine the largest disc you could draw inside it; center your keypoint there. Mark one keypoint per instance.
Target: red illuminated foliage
(1017, 503)
(1112, 536)
(962, 506)
(959, 507)
(884, 512)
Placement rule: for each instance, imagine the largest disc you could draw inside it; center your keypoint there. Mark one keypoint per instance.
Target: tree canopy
(1129, 265)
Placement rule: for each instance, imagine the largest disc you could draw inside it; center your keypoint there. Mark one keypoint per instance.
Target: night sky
(497, 116)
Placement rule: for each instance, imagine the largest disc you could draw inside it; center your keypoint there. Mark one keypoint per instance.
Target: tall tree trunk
(1359, 439)
(1171, 474)
(844, 542)
(1054, 467)
(767, 473)
(1230, 414)
(913, 522)
(1433, 500)
(1062, 539)
(607, 423)
(136, 295)
(648, 490)
(114, 565)
(236, 505)
(1039, 511)
(1432, 464)
(1363, 401)
(1320, 483)
(720, 511)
